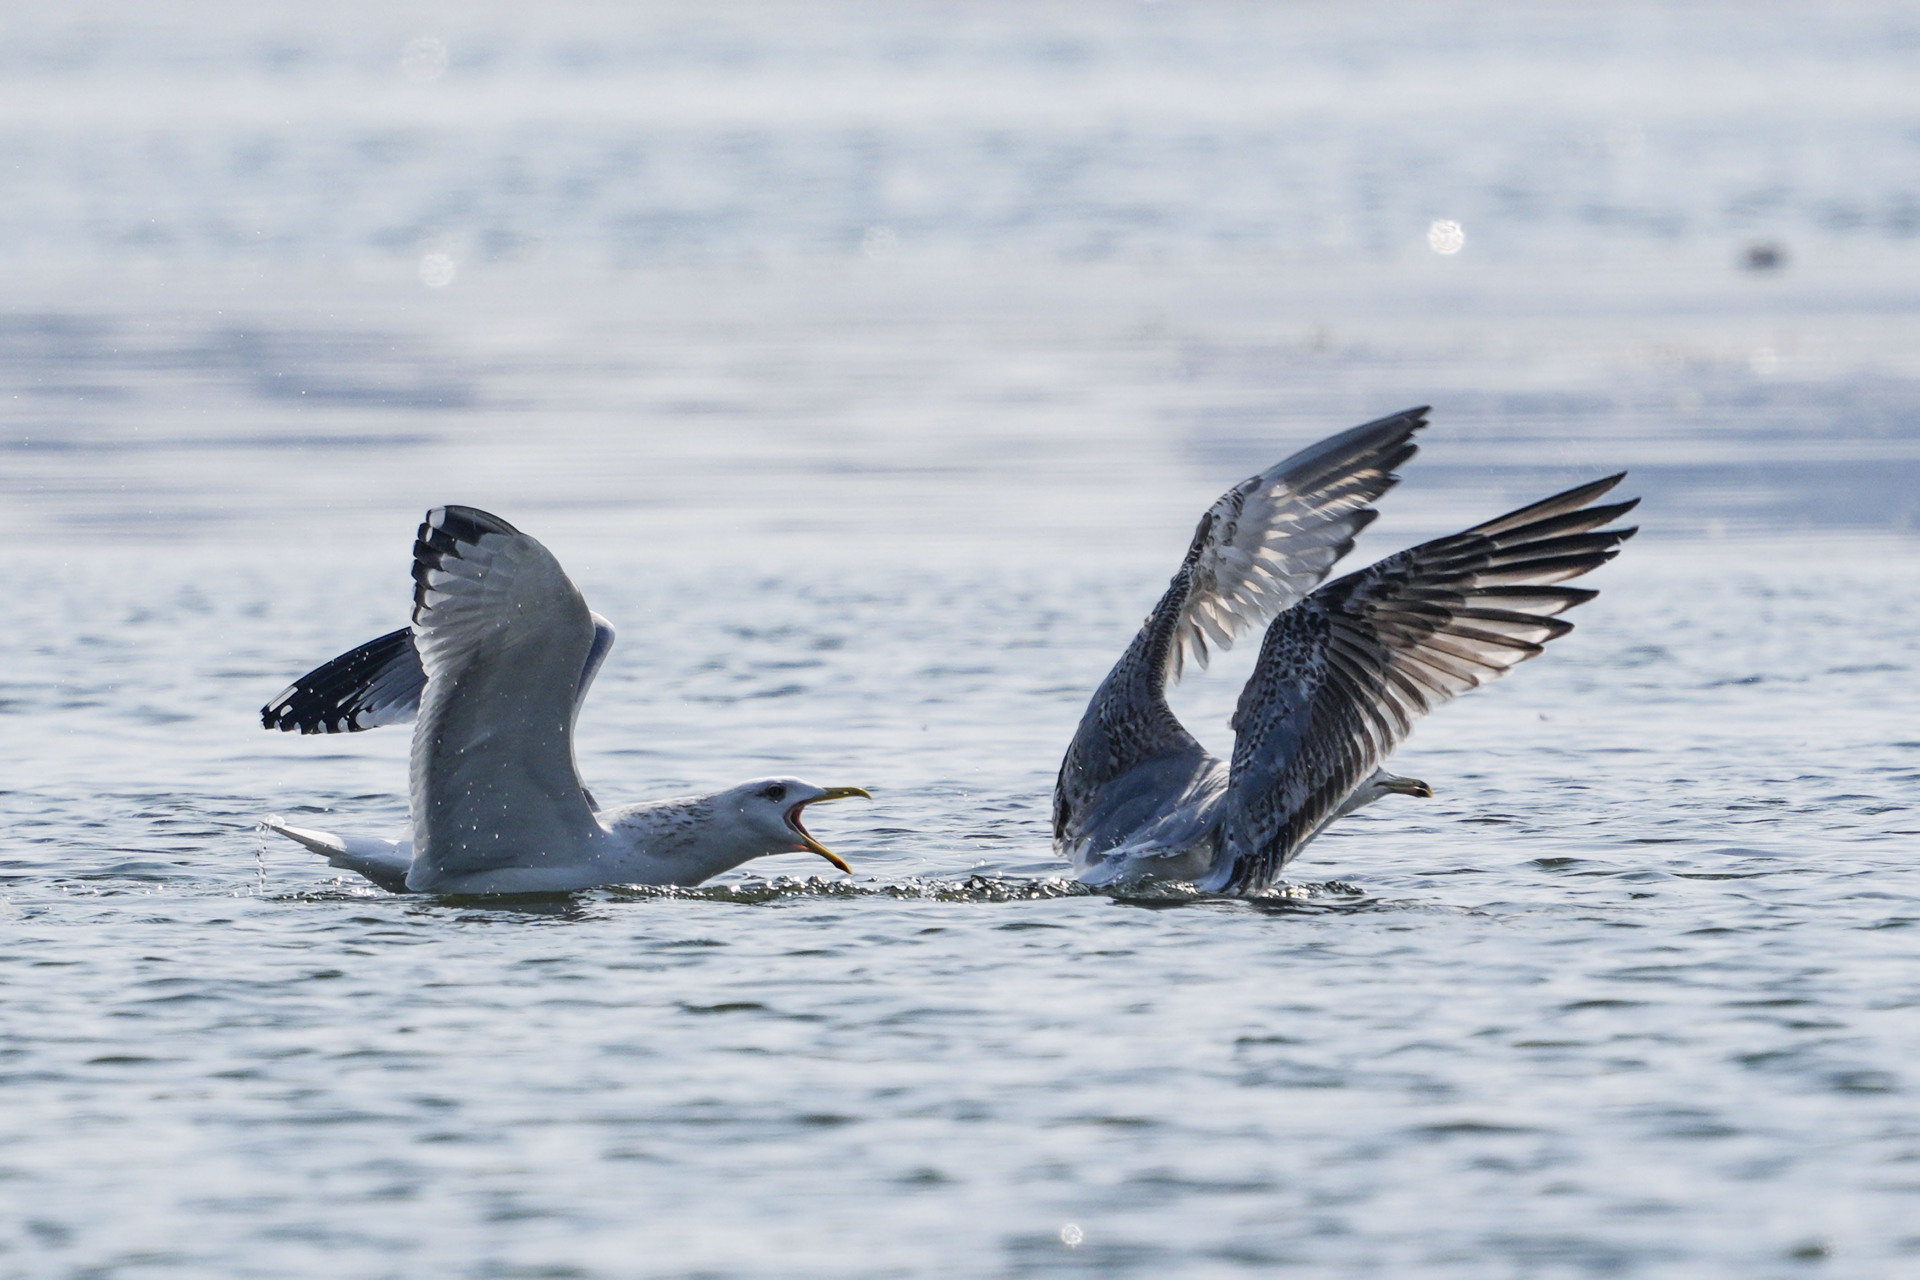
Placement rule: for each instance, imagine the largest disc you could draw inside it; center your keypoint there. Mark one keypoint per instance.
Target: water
(868, 368)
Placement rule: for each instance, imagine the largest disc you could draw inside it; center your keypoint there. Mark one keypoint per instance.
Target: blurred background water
(868, 365)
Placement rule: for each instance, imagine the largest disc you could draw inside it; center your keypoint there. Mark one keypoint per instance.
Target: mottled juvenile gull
(494, 670)
(1344, 671)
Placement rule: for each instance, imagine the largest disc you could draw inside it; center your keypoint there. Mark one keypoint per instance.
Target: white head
(1380, 783)
(770, 809)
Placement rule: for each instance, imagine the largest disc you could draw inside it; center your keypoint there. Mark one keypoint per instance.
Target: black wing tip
(295, 718)
(307, 710)
(1382, 445)
(1401, 425)
(1614, 539)
(441, 535)
(1613, 511)
(1569, 597)
(445, 528)
(1408, 422)
(329, 698)
(1590, 490)
(1391, 462)
(1568, 503)
(1415, 418)
(463, 523)
(1555, 545)
(1571, 565)
(279, 714)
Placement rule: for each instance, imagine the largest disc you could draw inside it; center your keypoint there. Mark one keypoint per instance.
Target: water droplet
(1446, 237)
(1071, 1235)
(436, 270)
(424, 60)
(1625, 141)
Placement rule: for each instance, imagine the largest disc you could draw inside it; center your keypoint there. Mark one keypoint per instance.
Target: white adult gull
(1342, 675)
(493, 671)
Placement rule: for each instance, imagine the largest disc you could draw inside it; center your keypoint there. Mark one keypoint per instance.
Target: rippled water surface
(869, 371)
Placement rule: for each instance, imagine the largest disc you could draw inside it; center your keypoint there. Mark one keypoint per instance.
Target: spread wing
(1267, 542)
(380, 683)
(1343, 676)
(504, 638)
(1274, 537)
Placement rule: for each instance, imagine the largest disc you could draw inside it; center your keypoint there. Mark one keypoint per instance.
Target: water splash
(774, 890)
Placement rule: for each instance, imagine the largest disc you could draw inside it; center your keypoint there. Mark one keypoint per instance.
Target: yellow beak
(806, 837)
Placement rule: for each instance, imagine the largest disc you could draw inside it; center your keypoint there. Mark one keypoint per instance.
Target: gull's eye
(775, 793)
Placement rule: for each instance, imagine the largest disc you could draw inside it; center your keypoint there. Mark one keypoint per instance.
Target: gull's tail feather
(385, 862)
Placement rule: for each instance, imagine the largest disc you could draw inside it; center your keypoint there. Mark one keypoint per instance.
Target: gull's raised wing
(378, 683)
(1343, 676)
(1274, 537)
(504, 638)
(1261, 547)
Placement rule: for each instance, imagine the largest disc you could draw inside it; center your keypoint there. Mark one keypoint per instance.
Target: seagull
(493, 672)
(1343, 673)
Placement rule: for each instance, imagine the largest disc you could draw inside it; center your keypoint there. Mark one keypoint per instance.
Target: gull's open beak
(1410, 787)
(806, 837)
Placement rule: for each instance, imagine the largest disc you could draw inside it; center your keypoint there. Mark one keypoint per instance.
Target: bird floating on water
(1342, 675)
(493, 671)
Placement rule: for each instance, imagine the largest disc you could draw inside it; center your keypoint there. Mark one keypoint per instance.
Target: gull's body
(494, 670)
(1344, 670)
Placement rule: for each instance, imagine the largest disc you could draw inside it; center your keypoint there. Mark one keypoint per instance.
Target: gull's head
(1398, 786)
(771, 808)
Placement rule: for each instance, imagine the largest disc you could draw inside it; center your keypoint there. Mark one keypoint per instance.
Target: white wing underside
(504, 638)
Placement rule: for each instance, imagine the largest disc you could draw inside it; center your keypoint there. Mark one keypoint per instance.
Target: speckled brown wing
(1343, 676)
(1262, 546)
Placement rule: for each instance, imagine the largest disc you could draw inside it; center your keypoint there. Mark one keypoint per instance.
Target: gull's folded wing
(504, 637)
(1264, 545)
(1343, 675)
